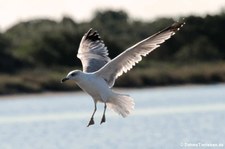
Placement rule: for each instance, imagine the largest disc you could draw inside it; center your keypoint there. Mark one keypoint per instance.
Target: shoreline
(59, 93)
(156, 75)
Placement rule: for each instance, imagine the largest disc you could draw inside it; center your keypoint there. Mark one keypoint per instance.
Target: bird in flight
(100, 72)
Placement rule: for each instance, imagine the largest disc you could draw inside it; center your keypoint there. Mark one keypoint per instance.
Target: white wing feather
(92, 52)
(127, 59)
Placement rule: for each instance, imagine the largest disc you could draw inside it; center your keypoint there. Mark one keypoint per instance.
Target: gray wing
(92, 52)
(126, 60)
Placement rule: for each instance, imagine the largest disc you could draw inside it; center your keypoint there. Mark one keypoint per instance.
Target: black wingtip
(176, 26)
(92, 35)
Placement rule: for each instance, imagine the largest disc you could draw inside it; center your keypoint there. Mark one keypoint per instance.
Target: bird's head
(73, 75)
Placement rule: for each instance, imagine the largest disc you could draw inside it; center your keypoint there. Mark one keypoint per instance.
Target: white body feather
(99, 90)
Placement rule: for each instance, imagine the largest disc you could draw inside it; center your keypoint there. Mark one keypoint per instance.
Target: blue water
(164, 117)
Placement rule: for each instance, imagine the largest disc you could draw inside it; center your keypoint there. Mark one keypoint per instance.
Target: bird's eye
(73, 74)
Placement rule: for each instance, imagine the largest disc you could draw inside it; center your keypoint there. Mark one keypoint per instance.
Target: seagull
(100, 72)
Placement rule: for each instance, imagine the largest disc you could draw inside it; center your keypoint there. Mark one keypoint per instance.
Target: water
(167, 117)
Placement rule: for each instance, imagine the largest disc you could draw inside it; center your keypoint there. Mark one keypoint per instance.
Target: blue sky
(12, 11)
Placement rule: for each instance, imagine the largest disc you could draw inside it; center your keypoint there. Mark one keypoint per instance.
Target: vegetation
(196, 54)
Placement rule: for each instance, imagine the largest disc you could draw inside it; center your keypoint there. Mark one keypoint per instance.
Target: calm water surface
(167, 117)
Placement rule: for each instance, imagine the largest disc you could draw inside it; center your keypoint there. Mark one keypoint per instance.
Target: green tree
(200, 50)
(7, 62)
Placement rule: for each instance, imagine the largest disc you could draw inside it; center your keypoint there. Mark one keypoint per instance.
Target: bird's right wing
(127, 59)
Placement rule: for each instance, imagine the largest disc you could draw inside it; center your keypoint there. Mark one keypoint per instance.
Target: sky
(13, 11)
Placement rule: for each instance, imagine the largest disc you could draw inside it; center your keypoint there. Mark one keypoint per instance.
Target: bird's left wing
(127, 59)
(92, 52)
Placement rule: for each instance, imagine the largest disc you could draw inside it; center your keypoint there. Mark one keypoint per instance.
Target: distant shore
(36, 81)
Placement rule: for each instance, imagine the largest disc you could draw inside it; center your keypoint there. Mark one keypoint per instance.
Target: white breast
(95, 86)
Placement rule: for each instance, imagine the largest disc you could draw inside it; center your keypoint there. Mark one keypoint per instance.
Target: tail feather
(121, 104)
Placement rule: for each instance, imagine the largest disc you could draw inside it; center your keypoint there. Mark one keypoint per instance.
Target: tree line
(45, 42)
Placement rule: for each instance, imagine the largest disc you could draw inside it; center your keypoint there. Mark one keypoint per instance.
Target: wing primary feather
(92, 35)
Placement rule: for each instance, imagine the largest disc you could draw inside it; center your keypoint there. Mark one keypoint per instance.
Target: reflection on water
(165, 116)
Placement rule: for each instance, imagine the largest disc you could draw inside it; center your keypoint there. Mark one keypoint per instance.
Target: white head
(73, 75)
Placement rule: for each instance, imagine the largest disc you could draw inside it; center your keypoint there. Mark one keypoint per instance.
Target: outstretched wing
(127, 59)
(92, 52)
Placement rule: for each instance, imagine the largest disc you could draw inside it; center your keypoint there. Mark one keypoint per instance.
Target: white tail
(121, 104)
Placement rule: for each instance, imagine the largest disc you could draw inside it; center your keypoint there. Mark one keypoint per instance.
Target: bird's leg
(103, 116)
(91, 122)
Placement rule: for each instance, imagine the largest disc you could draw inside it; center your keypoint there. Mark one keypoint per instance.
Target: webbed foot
(103, 119)
(91, 122)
